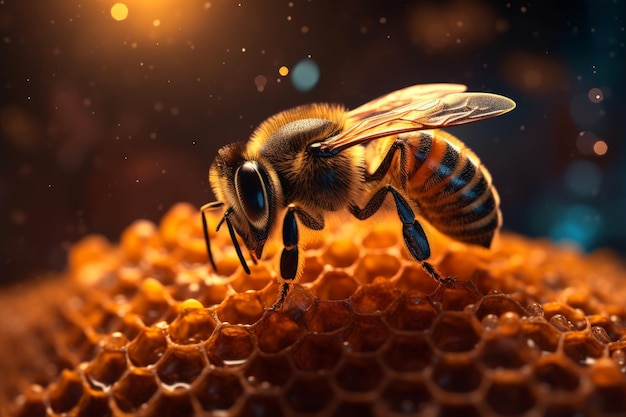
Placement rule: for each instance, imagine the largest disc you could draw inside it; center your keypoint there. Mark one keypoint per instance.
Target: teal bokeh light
(305, 75)
(578, 223)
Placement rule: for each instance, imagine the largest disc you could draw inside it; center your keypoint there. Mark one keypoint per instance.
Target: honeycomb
(144, 327)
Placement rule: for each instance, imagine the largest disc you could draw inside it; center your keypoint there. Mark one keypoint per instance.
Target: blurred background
(113, 110)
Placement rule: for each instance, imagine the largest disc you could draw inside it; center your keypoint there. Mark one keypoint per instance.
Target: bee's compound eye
(252, 193)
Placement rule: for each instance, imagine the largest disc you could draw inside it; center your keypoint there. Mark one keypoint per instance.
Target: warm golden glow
(444, 25)
(283, 71)
(119, 11)
(533, 73)
(532, 79)
(146, 25)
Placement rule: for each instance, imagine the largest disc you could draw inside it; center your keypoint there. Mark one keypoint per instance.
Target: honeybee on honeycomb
(143, 328)
(309, 161)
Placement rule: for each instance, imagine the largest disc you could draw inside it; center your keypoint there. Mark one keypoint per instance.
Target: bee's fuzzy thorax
(334, 113)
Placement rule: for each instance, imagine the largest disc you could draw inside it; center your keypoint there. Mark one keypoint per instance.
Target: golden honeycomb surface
(144, 327)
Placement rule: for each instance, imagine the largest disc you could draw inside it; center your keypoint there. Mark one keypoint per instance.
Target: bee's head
(243, 182)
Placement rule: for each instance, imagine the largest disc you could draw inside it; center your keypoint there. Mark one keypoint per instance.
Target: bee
(304, 163)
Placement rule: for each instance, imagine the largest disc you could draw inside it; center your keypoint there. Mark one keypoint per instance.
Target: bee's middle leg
(412, 231)
(399, 145)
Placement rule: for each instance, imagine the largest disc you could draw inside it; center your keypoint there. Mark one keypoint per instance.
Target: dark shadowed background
(106, 118)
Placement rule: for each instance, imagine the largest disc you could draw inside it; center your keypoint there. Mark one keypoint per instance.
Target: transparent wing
(449, 110)
(404, 96)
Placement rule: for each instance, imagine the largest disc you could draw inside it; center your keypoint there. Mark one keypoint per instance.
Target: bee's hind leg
(412, 231)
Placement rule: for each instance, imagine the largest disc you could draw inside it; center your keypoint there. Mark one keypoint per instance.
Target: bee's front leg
(205, 228)
(412, 231)
(290, 256)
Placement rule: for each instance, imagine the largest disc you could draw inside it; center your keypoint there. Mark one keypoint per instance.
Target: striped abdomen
(451, 187)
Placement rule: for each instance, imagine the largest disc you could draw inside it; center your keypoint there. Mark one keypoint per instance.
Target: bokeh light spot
(585, 142)
(579, 224)
(260, 81)
(283, 71)
(502, 25)
(305, 75)
(583, 178)
(595, 95)
(600, 147)
(532, 79)
(119, 11)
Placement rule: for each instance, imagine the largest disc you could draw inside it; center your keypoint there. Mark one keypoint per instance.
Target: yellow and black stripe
(451, 187)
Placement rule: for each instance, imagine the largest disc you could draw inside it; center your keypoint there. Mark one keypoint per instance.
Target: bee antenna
(233, 237)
